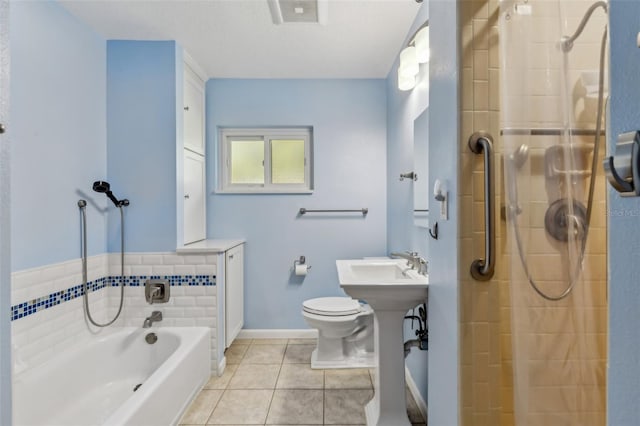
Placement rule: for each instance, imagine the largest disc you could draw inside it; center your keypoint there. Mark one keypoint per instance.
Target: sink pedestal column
(391, 290)
(389, 405)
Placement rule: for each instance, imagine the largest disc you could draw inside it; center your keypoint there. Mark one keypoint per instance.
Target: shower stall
(534, 336)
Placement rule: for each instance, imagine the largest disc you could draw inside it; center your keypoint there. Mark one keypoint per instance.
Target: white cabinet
(193, 111)
(194, 215)
(234, 293)
(194, 160)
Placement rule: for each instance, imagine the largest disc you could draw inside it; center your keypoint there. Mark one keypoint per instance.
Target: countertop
(208, 246)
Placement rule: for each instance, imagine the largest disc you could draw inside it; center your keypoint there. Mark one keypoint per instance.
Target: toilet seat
(332, 306)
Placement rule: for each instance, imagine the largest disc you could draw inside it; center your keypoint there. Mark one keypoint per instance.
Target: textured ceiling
(237, 38)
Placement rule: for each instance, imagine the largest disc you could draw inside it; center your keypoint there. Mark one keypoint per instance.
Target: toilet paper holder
(301, 261)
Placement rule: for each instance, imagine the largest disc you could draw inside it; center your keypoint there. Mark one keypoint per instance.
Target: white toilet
(345, 332)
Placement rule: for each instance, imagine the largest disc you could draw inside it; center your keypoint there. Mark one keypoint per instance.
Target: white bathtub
(94, 384)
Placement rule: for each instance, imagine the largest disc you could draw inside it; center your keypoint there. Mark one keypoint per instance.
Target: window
(265, 160)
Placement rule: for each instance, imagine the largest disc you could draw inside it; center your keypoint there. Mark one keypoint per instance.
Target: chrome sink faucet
(413, 260)
(156, 316)
(408, 255)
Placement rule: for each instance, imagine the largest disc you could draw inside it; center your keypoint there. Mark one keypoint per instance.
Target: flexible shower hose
(82, 204)
(594, 166)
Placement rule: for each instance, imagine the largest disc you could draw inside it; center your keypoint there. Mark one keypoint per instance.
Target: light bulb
(408, 62)
(422, 45)
(406, 82)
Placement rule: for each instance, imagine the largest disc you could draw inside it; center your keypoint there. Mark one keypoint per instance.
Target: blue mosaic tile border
(31, 307)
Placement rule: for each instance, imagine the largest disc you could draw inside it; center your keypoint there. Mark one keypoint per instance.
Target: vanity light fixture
(422, 45)
(416, 53)
(409, 66)
(406, 82)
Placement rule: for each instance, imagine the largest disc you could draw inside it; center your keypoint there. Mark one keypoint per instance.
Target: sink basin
(391, 288)
(363, 271)
(383, 282)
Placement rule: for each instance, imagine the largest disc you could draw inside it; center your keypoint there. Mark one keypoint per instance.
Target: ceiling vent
(303, 11)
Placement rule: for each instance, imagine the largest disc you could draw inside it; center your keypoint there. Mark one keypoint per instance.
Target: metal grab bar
(364, 211)
(483, 269)
(554, 131)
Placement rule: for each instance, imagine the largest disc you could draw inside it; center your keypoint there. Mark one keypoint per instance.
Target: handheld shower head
(101, 186)
(519, 156)
(516, 160)
(104, 187)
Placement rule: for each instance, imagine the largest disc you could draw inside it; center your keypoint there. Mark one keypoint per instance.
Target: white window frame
(225, 135)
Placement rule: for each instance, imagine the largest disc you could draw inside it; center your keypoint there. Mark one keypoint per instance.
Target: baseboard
(277, 334)
(413, 388)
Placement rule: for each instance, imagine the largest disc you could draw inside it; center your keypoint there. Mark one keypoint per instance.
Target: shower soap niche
(590, 80)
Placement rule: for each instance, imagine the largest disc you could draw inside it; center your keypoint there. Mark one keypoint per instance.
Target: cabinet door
(193, 111)
(194, 198)
(234, 293)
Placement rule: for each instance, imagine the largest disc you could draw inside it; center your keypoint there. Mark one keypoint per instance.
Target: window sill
(266, 192)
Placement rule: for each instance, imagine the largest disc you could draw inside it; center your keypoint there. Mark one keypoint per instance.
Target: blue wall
(443, 355)
(444, 153)
(402, 234)
(58, 129)
(5, 223)
(349, 137)
(623, 392)
(142, 120)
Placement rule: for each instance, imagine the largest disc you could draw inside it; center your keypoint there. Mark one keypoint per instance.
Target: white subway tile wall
(51, 318)
(189, 306)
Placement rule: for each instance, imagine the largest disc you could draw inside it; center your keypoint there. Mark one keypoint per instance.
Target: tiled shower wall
(47, 302)
(482, 396)
(486, 307)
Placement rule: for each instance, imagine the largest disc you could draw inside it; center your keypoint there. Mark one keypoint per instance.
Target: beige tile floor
(270, 381)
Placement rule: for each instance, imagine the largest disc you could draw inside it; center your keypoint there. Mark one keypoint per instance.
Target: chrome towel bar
(483, 269)
(364, 211)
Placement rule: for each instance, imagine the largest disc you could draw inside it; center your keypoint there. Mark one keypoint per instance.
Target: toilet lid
(332, 306)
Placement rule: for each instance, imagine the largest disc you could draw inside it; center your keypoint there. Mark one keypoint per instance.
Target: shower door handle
(483, 269)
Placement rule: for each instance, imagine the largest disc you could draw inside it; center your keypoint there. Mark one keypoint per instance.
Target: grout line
(324, 395)
(214, 406)
(273, 393)
(226, 386)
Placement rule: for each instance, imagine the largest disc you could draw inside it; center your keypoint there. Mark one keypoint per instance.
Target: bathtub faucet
(155, 317)
(155, 292)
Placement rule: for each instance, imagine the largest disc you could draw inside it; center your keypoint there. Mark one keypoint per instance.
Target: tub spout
(155, 317)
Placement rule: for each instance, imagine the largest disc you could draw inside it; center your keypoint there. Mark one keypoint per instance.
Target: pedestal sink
(391, 289)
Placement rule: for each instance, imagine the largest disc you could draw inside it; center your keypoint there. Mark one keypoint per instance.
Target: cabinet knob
(186, 108)
(186, 197)
(2, 128)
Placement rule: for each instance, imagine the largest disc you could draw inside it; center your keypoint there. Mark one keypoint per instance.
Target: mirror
(421, 167)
